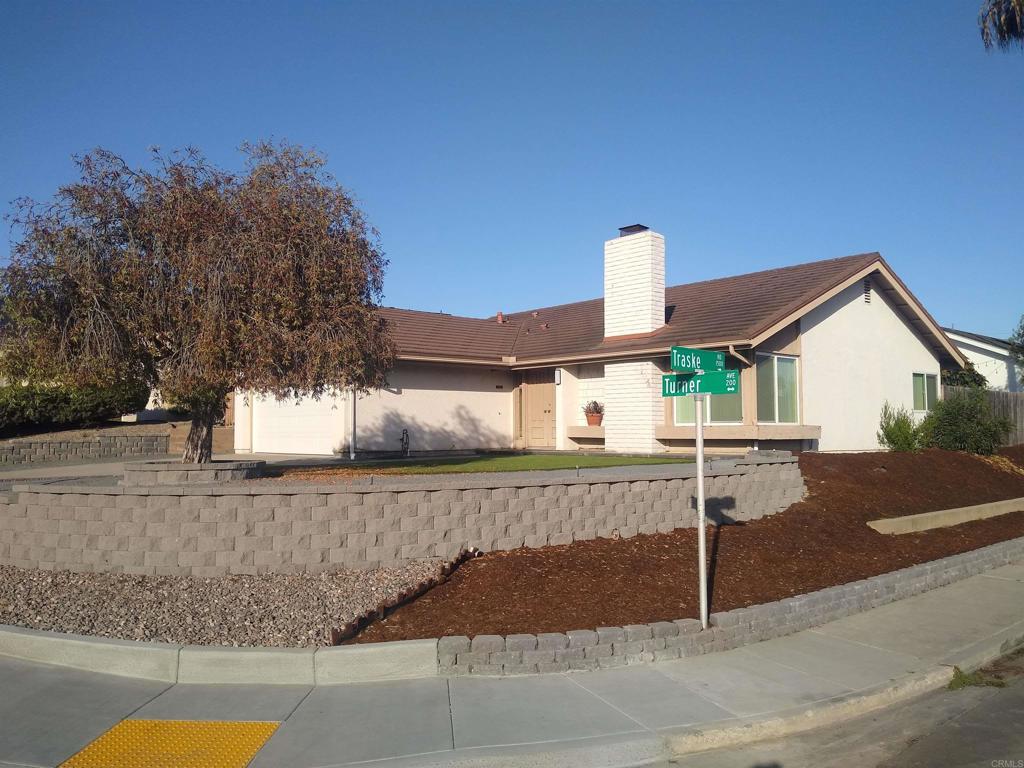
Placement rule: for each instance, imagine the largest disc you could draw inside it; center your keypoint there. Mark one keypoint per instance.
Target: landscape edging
(944, 518)
(608, 647)
(427, 658)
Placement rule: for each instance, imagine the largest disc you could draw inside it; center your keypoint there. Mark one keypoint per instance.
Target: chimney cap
(632, 229)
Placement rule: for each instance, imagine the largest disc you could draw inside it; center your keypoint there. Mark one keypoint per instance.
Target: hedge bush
(23, 406)
(964, 422)
(897, 430)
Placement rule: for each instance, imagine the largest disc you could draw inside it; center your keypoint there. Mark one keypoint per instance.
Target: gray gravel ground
(272, 610)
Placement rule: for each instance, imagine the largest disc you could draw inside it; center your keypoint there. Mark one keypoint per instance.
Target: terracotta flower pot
(594, 419)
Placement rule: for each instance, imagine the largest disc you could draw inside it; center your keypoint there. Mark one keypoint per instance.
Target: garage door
(309, 426)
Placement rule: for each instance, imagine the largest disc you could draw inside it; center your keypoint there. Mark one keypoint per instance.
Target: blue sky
(497, 145)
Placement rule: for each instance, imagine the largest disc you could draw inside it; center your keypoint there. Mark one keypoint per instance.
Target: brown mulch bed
(1014, 453)
(820, 542)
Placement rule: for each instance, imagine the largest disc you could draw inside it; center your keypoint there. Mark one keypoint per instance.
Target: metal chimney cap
(632, 229)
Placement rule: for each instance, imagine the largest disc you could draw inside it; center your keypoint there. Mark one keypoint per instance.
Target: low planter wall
(607, 647)
(262, 528)
(548, 652)
(176, 473)
(29, 451)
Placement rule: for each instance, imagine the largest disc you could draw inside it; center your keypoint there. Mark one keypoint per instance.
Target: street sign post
(702, 545)
(689, 360)
(701, 373)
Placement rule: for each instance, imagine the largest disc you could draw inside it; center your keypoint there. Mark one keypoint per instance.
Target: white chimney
(634, 282)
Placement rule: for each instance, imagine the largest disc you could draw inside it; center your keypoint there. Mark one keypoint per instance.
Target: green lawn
(514, 463)
(495, 463)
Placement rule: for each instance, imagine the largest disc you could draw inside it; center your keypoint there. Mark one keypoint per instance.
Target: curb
(852, 705)
(172, 663)
(368, 662)
(819, 715)
(127, 658)
(624, 750)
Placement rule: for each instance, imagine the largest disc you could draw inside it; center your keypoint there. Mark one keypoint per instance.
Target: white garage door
(309, 426)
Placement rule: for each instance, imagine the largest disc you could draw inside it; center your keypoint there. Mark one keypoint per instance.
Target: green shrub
(32, 405)
(964, 422)
(897, 430)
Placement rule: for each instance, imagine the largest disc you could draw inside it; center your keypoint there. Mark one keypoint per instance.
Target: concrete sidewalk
(618, 717)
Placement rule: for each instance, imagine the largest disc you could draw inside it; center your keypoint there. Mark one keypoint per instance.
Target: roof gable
(720, 311)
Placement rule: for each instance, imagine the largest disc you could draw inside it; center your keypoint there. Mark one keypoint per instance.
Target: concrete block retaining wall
(607, 647)
(29, 451)
(176, 473)
(266, 527)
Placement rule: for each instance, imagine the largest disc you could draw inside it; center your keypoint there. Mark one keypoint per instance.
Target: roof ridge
(850, 257)
(438, 314)
(978, 336)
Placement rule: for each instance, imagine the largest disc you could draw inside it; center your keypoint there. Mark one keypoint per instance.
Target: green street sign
(708, 383)
(686, 360)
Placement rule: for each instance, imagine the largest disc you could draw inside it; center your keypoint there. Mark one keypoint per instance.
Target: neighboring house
(991, 358)
(820, 348)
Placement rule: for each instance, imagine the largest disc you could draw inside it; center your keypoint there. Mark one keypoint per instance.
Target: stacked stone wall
(277, 528)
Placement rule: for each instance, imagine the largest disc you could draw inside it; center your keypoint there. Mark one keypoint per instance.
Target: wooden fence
(1009, 405)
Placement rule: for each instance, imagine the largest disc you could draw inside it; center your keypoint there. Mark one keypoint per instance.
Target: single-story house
(992, 358)
(819, 346)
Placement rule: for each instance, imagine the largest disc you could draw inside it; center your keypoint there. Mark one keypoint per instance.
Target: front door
(540, 408)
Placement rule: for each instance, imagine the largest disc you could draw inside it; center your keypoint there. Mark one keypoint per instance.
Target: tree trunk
(199, 444)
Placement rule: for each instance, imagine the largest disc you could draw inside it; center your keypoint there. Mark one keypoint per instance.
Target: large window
(778, 395)
(718, 409)
(926, 391)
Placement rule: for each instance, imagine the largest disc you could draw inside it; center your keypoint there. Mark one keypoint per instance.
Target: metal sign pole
(698, 407)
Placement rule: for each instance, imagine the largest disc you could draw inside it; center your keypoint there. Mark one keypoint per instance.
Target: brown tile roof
(435, 334)
(713, 311)
(729, 309)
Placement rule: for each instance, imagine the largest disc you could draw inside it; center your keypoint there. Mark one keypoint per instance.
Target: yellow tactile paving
(175, 744)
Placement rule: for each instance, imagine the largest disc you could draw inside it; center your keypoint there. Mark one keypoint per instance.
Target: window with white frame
(778, 395)
(926, 391)
(718, 409)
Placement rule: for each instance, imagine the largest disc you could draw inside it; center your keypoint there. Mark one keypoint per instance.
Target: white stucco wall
(633, 406)
(590, 386)
(442, 406)
(243, 422)
(566, 397)
(854, 357)
(995, 365)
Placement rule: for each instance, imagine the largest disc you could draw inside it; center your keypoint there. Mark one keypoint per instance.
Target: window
(778, 395)
(718, 409)
(925, 391)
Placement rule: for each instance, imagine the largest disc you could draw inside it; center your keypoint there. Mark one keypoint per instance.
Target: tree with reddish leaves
(198, 281)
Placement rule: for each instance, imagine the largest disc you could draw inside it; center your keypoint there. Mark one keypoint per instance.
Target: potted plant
(594, 412)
